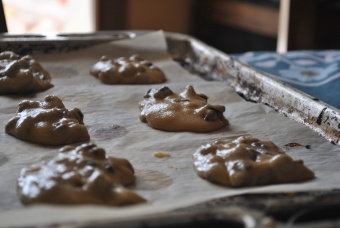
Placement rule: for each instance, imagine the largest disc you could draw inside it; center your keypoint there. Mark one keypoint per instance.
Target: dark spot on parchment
(3, 159)
(151, 180)
(290, 145)
(108, 132)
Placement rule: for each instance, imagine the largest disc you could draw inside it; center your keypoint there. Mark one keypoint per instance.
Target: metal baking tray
(250, 210)
(209, 63)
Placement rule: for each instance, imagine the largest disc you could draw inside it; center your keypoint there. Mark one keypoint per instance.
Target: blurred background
(36, 16)
(232, 26)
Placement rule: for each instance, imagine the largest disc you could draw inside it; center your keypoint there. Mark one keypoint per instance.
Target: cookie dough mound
(165, 110)
(48, 123)
(79, 175)
(22, 75)
(132, 70)
(248, 162)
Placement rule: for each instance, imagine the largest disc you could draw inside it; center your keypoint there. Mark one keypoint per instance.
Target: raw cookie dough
(248, 161)
(79, 175)
(22, 75)
(188, 111)
(132, 70)
(48, 123)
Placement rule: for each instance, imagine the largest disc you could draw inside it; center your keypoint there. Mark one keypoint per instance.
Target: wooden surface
(110, 15)
(302, 19)
(255, 18)
(167, 15)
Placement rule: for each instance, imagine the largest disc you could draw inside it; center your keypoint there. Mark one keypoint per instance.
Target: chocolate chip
(163, 92)
(108, 167)
(90, 163)
(210, 115)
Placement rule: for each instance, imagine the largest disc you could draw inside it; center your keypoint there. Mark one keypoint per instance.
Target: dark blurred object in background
(236, 26)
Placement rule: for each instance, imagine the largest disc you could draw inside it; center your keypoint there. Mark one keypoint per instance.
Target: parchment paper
(112, 118)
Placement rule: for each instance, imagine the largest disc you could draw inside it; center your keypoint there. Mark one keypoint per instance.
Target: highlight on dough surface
(48, 122)
(127, 70)
(247, 161)
(22, 74)
(79, 175)
(165, 110)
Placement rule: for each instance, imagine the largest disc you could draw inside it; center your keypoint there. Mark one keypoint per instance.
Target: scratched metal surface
(257, 86)
(211, 64)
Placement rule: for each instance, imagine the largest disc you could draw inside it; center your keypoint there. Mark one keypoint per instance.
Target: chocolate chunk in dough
(165, 110)
(132, 70)
(79, 175)
(48, 123)
(22, 75)
(248, 161)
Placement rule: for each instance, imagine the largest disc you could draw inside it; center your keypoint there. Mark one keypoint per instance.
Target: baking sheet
(111, 116)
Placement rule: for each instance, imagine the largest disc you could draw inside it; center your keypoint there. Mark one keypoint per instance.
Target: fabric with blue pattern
(314, 72)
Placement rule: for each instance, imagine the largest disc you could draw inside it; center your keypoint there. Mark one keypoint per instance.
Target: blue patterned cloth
(314, 72)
